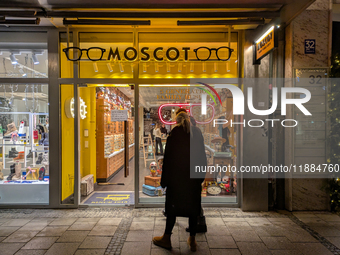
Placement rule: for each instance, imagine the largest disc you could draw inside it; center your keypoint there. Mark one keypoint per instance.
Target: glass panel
(67, 144)
(158, 107)
(66, 66)
(104, 55)
(24, 141)
(106, 123)
(23, 55)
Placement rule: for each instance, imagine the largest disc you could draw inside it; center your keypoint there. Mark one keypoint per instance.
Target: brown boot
(192, 243)
(163, 241)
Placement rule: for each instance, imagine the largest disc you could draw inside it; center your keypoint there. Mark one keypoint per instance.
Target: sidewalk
(97, 231)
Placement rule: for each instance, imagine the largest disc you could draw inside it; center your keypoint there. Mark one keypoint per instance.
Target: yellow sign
(264, 44)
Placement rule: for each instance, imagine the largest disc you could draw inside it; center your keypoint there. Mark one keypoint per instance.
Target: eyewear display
(222, 53)
(75, 53)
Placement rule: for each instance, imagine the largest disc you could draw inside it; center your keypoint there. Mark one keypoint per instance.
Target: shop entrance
(106, 144)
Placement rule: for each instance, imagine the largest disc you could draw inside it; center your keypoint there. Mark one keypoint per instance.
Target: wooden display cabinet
(110, 143)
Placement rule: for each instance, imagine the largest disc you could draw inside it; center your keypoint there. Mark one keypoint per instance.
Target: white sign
(119, 115)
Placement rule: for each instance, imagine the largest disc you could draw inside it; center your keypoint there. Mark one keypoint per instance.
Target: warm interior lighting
(180, 67)
(121, 67)
(265, 34)
(215, 67)
(204, 67)
(144, 68)
(95, 67)
(156, 68)
(109, 67)
(192, 67)
(168, 67)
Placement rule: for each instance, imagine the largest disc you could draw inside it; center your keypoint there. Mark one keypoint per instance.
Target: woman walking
(158, 135)
(184, 149)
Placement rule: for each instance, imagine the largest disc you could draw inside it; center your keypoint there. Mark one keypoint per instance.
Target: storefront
(81, 100)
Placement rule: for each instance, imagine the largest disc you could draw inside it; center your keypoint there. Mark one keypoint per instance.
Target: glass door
(106, 144)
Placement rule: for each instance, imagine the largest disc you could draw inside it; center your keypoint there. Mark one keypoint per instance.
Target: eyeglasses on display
(222, 53)
(75, 53)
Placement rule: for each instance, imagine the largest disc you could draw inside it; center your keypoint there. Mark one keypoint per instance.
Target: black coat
(183, 194)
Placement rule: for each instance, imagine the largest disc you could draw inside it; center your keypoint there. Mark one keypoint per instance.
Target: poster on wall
(119, 115)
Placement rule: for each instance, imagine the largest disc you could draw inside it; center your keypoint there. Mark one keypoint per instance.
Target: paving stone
(53, 231)
(228, 219)
(334, 240)
(42, 220)
(326, 230)
(10, 248)
(183, 236)
(221, 242)
(30, 252)
(312, 248)
(6, 231)
(329, 217)
(73, 237)
(103, 231)
(87, 220)
(139, 236)
(142, 225)
(245, 236)
(278, 243)
(40, 243)
(63, 248)
(286, 252)
(95, 242)
(161, 251)
(143, 219)
(136, 248)
(160, 221)
(82, 226)
(237, 226)
(214, 221)
(315, 221)
(202, 248)
(299, 236)
(217, 230)
(258, 222)
(225, 252)
(268, 231)
(16, 223)
(90, 252)
(63, 222)
(249, 248)
(20, 236)
(33, 226)
(109, 221)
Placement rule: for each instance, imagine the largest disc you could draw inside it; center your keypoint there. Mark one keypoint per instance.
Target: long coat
(183, 194)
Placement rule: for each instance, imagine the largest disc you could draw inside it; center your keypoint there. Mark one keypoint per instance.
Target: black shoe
(30, 154)
(13, 153)
(40, 158)
(10, 176)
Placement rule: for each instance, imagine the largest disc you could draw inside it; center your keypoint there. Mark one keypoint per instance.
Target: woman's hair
(157, 126)
(182, 119)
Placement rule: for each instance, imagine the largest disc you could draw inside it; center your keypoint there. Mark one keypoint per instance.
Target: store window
(23, 55)
(24, 141)
(158, 107)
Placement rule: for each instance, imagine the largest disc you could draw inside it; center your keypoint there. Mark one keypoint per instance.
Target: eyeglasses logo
(222, 53)
(96, 53)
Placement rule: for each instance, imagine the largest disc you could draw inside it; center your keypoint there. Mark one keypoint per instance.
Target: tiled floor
(130, 231)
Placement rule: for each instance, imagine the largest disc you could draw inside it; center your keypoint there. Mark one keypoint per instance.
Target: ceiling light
(22, 72)
(121, 67)
(13, 59)
(109, 67)
(95, 67)
(35, 59)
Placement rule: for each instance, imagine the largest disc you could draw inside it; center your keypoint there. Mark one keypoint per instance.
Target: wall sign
(265, 44)
(119, 115)
(310, 46)
(69, 108)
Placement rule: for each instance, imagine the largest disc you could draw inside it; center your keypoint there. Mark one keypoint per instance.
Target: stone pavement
(96, 231)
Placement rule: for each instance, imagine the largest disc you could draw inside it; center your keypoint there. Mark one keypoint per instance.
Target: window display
(24, 141)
